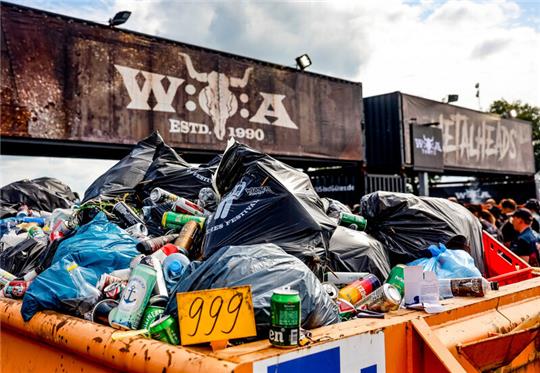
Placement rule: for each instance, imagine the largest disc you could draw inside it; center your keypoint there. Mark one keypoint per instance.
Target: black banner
(427, 148)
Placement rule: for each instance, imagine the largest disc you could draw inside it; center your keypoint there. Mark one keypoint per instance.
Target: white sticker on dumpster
(362, 353)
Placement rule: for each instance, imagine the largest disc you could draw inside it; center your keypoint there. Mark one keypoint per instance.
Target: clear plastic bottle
(88, 295)
(466, 287)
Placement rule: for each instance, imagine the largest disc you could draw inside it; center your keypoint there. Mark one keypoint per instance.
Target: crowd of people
(517, 226)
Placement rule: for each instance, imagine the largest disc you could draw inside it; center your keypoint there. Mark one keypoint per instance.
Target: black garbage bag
(124, 176)
(23, 257)
(266, 268)
(335, 207)
(266, 201)
(172, 173)
(44, 194)
(407, 225)
(354, 251)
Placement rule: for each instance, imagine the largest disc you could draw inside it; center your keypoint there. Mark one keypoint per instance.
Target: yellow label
(217, 314)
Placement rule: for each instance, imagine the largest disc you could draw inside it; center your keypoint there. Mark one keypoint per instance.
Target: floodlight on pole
(303, 62)
(119, 18)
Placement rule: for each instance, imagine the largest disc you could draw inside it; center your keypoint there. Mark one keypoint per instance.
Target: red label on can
(16, 289)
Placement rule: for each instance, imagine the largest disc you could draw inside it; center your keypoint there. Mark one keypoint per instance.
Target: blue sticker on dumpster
(324, 361)
(364, 353)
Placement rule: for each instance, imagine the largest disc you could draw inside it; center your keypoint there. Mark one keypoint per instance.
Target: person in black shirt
(534, 207)
(525, 244)
(507, 233)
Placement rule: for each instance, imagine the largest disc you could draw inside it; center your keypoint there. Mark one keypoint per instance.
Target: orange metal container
(501, 328)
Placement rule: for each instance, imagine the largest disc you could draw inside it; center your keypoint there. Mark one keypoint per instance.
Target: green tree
(525, 112)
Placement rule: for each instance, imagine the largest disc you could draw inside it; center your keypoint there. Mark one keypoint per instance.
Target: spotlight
(119, 18)
(303, 61)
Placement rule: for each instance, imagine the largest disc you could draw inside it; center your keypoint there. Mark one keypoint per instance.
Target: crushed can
(151, 314)
(165, 329)
(15, 289)
(384, 299)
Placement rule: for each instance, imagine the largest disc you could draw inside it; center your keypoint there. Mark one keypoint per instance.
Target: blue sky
(426, 48)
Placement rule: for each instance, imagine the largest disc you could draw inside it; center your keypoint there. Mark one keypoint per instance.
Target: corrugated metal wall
(383, 133)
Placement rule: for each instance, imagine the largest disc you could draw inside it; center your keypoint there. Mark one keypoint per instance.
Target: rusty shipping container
(71, 80)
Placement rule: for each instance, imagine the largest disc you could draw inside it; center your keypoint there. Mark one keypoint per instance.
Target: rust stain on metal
(97, 339)
(106, 85)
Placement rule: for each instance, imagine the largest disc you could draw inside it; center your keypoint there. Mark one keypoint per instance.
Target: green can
(285, 312)
(151, 313)
(396, 278)
(172, 220)
(165, 329)
(356, 222)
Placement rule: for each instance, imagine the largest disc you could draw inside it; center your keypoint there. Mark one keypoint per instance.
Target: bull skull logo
(216, 99)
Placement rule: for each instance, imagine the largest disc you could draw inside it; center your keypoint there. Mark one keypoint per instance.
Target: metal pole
(423, 180)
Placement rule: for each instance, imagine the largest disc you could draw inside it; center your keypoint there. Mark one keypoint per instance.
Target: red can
(105, 280)
(359, 289)
(16, 289)
(114, 290)
(185, 206)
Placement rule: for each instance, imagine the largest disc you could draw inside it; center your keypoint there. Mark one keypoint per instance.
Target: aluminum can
(185, 206)
(16, 289)
(5, 277)
(359, 289)
(37, 234)
(151, 314)
(126, 214)
(100, 312)
(285, 314)
(396, 278)
(187, 235)
(134, 298)
(158, 195)
(165, 329)
(153, 244)
(346, 310)
(114, 290)
(105, 280)
(173, 220)
(356, 222)
(138, 230)
(158, 301)
(331, 290)
(384, 299)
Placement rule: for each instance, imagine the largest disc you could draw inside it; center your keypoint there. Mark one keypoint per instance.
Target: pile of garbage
(153, 226)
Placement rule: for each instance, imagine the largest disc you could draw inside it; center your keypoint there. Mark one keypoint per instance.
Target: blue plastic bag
(98, 247)
(448, 263)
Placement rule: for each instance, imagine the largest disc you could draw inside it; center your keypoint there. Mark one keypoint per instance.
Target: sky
(425, 48)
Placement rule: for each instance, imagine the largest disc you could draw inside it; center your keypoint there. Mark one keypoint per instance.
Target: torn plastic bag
(152, 216)
(266, 201)
(43, 193)
(448, 263)
(98, 247)
(354, 251)
(124, 176)
(406, 225)
(266, 268)
(23, 257)
(172, 173)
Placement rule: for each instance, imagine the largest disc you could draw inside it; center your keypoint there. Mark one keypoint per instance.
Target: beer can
(158, 301)
(134, 298)
(384, 299)
(126, 214)
(165, 329)
(153, 244)
(158, 195)
(331, 290)
(359, 289)
(346, 310)
(37, 233)
(185, 206)
(114, 290)
(173, 220)
(16, 289)
(396, 278)
(100, 312)
(187, 235)
(285, 314)
(138, 230)
(105, 280)
(5, 277)
(151, 313)
(356, 222)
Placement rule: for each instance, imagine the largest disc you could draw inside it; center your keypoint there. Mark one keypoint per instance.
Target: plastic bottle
(173, 267)
(466, 287)
(88, 295)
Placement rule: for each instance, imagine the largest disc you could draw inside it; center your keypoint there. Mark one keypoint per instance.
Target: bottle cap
(169, 249)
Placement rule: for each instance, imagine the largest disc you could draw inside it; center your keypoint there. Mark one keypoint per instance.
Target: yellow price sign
(214, 315)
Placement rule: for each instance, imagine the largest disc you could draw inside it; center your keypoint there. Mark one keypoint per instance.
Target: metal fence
(389, 183)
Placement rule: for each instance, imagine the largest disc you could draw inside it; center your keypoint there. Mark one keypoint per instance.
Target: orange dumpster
(499, 331)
